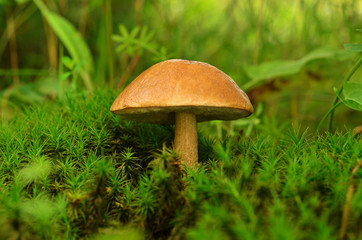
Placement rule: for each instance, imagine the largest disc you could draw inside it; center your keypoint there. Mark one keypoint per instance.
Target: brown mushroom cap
(182, 86)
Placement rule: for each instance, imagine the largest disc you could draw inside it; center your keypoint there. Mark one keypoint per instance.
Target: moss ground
(70, 169)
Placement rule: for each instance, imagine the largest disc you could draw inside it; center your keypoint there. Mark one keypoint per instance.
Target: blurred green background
(287, 55)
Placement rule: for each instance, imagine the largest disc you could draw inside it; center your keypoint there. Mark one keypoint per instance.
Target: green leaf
(120, 48)
(65, 76)
(117, 38)
(274, 69)
(352, 95)
(71, 39)
(265, 71)
(78, 67)
(135, 32)
(68, 62)
(123, 30)
(353, 47)
(325, 53)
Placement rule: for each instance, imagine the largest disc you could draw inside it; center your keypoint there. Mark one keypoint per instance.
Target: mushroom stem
(186, 138)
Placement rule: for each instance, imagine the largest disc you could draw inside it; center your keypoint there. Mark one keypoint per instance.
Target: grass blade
(71, 39)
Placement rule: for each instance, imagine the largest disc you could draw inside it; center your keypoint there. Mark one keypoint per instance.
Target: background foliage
(70, 169)
(289, 54)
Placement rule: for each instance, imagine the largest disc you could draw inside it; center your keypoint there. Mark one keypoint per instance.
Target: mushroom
(182, 92)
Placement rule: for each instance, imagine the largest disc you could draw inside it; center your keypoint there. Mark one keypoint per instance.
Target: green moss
(72, 169)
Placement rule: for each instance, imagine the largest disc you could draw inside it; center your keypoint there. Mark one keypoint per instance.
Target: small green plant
(71, 74)
(133, 44)
(352, 90)
(137, 41)
(129, 164)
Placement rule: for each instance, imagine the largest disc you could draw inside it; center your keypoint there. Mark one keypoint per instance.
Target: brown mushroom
(182, 92)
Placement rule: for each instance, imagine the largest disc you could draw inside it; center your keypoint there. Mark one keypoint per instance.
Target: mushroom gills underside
(166, 115)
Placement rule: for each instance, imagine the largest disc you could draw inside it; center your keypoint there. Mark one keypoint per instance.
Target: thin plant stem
(347, 204)
(18, 21)
(326, 115)
(62, 6)
(129, 70)
(52, 40)
(258, 33)
(83, 17)
(138, 6)
(13, 48)
(294, 110)
(108, 6)
(336, 99)
(60, 71)
(52, 45)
